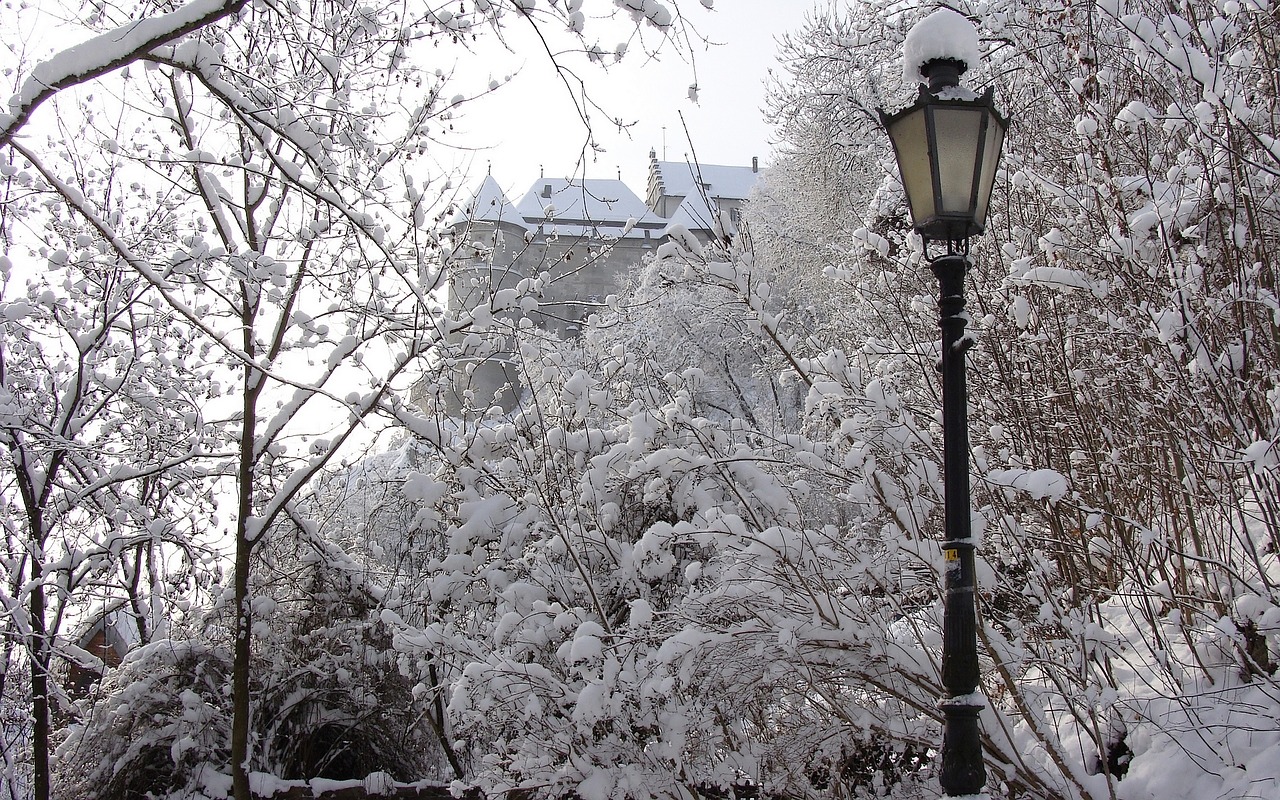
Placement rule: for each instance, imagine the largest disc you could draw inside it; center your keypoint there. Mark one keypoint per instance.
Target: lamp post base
(962, 773)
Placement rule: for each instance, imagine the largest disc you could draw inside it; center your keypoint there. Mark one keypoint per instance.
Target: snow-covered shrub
(628, 595)
(158, 727)
(1123, 403)
(569, 536)
(330, 696)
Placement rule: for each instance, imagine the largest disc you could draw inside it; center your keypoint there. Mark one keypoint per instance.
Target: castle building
(575, 240)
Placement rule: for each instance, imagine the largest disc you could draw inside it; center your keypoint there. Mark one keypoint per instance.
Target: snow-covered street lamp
(948, 145)
(947, 142)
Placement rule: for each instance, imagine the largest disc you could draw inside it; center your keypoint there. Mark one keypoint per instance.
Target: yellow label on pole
(950, 554)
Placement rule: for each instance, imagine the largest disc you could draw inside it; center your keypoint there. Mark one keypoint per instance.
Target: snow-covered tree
(104, 458)
(264, 190)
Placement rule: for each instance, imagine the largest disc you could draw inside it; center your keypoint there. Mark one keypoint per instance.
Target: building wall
(577, 274)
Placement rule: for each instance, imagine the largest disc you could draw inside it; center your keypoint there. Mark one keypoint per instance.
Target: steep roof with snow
(588, 208)
(596, 207)
(582, 201)
(683, 179)
(489, 204)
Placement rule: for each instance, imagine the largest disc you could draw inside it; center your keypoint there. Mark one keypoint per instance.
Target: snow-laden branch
(141, 266)
(144, 269)
(301, 476)
(265, 127)
(106, 52)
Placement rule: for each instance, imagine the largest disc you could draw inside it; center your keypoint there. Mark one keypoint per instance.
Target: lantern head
(948, 146)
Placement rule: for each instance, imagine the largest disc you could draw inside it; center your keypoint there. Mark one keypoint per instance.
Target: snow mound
(1041, 484)
(942, 34)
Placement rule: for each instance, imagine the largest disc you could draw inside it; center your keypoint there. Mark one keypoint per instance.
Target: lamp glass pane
(990, 160)
(911, 145)
(956, 132)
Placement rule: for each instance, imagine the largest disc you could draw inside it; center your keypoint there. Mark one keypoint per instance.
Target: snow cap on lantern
(948, 142)
(944, 34)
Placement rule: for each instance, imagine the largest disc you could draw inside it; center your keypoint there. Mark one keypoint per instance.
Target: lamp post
(947, 145)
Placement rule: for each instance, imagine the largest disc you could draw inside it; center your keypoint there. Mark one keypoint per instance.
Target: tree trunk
(39, 684)
(34, 497)
(246, 536)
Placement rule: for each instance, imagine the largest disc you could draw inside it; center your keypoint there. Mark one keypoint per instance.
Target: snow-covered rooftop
(607, 202)
(942, 34)
(681, 179)
(602, 207)
(489, 204)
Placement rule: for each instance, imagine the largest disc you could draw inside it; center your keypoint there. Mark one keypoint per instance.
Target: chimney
(755, 163)
(546, 190)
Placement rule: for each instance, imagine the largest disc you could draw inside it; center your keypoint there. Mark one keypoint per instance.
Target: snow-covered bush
(330, 696)
(157, 728)
(1123, 405)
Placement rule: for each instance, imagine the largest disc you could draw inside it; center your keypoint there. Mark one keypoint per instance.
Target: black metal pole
(962, 771)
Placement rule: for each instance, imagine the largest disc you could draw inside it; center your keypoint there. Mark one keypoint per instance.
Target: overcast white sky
(529, 125)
